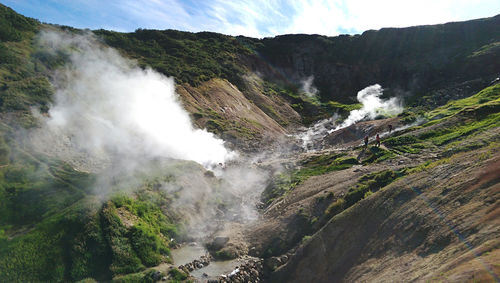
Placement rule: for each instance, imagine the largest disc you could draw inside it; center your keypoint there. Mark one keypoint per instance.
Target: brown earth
(243, 118)
(440, 224)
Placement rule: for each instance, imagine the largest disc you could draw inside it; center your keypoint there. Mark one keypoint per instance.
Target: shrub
(336, 207)
(177, 274)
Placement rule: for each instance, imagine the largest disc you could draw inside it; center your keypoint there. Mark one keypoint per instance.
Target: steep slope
(419, 60)
(427, 65)
(439, 224)
(426, 211)
(55, 227)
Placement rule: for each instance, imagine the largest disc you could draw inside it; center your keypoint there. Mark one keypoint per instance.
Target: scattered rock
(283, 259)
(156, 276)
(251, 271)
(272, 263)
(203, 261)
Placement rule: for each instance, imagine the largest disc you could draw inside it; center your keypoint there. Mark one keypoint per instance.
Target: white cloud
(261, 18)
(257, 18)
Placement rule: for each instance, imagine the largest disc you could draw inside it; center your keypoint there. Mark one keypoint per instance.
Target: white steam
(308, 87)
(107, 104)
(317, 132)
(373, 106)
(125, 124)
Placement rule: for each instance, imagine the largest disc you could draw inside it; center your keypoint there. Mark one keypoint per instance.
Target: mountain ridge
(62, 222)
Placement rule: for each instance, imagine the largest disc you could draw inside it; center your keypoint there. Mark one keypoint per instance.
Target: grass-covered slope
(188, 57)
(55, 226)
(23, 71)
(434, 199)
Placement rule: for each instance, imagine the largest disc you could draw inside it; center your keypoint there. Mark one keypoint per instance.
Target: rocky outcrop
(195, 264)
(251, 271)
(414, 60)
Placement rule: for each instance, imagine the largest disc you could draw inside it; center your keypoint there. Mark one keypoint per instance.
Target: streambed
(193, 251)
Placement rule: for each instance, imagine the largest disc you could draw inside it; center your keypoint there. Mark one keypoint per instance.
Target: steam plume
(308, 87)
(107, 104)
(126, 123)
(373, 106)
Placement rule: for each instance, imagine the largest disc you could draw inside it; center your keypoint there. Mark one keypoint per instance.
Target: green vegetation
(334, 106)
(23, 71)
(53, 227)
(462, 130)
(377, 154)
(464, 118)
(189, 57)
(371, 182)
(336, 207)
(306, 238)
(366, 185)
(13, 26)
(486, 49)
(404, 144)
(177, 274)
(310, 108)
(486, 100)
(147, 276)
(317, 165)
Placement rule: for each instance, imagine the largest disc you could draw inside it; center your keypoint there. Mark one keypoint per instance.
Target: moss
(404, 144)
(335, 207)
(366, 186)
(401, 140)
(314, 166)
(489, 94)
(177, 274)
(489, 48)
(461, 130)
(214, 126)
(428, 165)
(139, 277)
(377, 154)
(306, 239)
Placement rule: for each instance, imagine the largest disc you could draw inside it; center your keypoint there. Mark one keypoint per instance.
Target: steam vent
(249, 141)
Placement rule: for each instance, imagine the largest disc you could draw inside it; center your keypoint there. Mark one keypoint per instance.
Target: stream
(188, 253)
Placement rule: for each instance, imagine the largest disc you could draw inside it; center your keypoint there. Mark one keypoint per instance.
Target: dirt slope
(238, 117)
(438, 224)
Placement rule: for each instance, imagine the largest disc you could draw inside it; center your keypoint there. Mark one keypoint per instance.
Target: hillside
(421, 207)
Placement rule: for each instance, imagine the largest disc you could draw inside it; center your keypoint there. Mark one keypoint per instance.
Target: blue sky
(258, 18)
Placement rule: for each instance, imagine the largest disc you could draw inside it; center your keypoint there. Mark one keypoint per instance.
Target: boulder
(272, 263)
(219, 242)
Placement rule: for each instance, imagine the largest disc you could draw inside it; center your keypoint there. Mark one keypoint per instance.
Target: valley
(199, 157)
